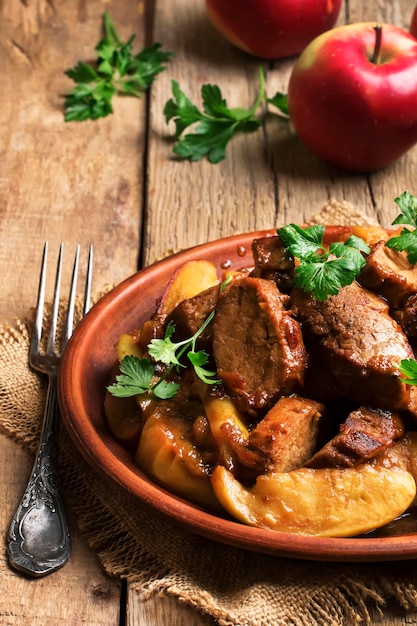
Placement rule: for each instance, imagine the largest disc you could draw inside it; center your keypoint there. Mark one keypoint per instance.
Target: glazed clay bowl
(85, 372)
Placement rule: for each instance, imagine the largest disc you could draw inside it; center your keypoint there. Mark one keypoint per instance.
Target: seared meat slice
(364, 435)
(410, 415)
(272, 262)
(189, 315)
(319, 382)
(360, 343)
(390, 274)
(287, 435)
(257, 344)
(407, 316)
(269, 255)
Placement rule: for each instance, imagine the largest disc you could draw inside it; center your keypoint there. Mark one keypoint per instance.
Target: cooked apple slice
(124, 417)
(221, 410)
(166, 453)
(128, 344)
(223, 417)
(321, 502)
(187, 281)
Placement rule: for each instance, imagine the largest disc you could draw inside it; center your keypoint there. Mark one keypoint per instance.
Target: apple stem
(378, 40)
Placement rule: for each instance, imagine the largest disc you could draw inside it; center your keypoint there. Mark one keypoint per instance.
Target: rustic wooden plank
(303, 180)
(189, 203)
(70, 182)
(166, 610)
(387, 184)
(267, 178)
(79, 593)
(396, 12)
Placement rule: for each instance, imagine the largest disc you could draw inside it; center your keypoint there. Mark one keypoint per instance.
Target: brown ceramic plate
(84, 374)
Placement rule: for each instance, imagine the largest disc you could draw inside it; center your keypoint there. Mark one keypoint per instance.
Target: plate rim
(95, 450)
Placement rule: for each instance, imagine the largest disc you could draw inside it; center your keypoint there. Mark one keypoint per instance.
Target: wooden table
(115, 183)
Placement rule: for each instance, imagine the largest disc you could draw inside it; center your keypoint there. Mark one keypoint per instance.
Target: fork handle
(39, 539)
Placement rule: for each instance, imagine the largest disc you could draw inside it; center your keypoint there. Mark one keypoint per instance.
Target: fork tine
(69, 324)
(55, 303)
(87, 292)
(37, 330)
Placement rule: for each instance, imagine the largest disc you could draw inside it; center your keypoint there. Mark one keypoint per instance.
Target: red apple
(272, 29)
(413, 25)
(351, 109)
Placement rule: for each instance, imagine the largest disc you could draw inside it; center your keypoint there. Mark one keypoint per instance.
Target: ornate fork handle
(39, 539)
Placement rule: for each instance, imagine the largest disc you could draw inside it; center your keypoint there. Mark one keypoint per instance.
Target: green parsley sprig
(116, 71)
(408, 368)
(215, 124)
(407, 239)
(138, 374)
(321, 270)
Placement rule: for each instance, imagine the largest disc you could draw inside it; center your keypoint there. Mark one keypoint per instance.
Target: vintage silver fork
(39, 540)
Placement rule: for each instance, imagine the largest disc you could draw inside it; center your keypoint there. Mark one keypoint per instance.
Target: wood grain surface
(116, 183)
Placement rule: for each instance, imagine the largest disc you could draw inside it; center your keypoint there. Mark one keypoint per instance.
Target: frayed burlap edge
(236, 587)
(340, 212)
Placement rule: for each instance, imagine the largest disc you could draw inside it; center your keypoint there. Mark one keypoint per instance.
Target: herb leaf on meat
(116, 71)
(136, 378)
(302, 242)
(318, 269)
(170, 353)
(199, 360)
(138, 374)
(407, 239)
(408, 368)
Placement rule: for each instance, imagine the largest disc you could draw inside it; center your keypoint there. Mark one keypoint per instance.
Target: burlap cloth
(236, 587)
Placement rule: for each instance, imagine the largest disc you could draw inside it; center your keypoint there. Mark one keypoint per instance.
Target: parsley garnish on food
(408, 368)
(215, 124)
(136, 378)
(321, 270)
(407, 239)
(138, 374)
(116, 71)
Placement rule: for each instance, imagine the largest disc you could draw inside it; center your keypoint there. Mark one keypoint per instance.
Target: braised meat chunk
(189, 315)
(406, 316)
(269, 255)
(272, 262)
(257, 344)
(364, 435)
(360, 343)
(390, 274)
(287, 435)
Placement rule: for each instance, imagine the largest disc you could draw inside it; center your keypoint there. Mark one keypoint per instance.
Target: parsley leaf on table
(407, 239)
(214, 125)
(116, 71)
(280, 101)
(321, 270)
